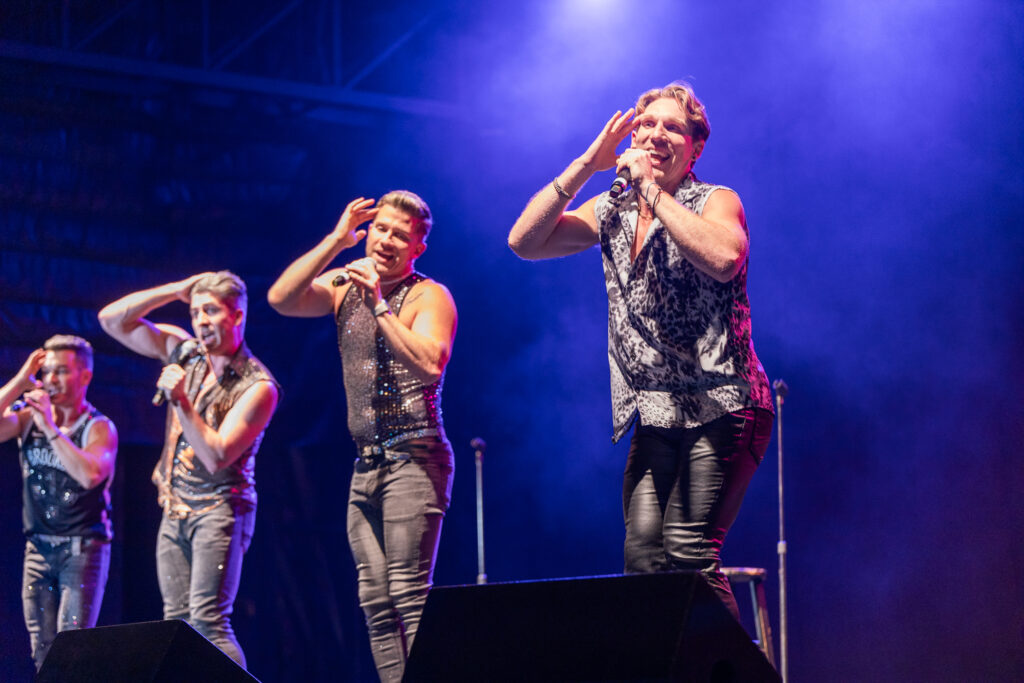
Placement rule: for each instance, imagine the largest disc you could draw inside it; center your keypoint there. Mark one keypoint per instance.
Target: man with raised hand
(67, 451)
(684, 373)
(220, 400)
(396, 328)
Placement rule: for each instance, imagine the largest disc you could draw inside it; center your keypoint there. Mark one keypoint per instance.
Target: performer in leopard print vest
(684, 374)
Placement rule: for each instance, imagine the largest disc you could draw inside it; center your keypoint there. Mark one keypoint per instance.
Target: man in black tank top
(395, 334)
(67, 451)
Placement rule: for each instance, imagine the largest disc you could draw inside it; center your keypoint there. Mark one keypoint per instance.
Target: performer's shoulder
(429, 290)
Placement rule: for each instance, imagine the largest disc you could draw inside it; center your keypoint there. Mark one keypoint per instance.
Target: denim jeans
(199, 564)
(395, 510)
(62, 587)
(682, 490)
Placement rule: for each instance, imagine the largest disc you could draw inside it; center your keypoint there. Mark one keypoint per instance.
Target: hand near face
(364, 275)
(358, 211)
(639, 164)
(185, 286)
(601, 153)
(42, 414)
(28, 371)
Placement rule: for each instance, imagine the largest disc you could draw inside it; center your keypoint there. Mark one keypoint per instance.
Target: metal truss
(219, 45)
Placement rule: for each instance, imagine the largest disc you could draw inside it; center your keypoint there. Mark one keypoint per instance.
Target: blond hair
(693, 109)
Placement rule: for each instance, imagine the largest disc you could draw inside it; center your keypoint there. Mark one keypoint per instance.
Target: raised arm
(245, 421)
(11, 424)
(299, 292)
(123, 319)
(545, 229)
(89, 465)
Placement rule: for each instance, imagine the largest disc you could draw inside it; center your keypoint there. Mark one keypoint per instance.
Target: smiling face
(394, 241)
(64, 377)
(662, 130)
(216, 323)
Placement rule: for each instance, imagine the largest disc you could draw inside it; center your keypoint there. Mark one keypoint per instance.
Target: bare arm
(545, 229)
(12, 424)
(422, 335)
(715, 242)
(245, 421)
(89, 465)
(123, 319)
(299, 292)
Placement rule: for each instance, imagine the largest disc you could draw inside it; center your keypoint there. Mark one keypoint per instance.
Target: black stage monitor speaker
(151, 652)
(640, 627)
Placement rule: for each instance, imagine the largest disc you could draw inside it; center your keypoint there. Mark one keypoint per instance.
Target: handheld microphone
(341, 278)
(621, 182)
(189, 349)
(21, 403)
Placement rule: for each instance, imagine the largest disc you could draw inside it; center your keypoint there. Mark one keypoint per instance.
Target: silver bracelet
(560, 190)
(381, 308)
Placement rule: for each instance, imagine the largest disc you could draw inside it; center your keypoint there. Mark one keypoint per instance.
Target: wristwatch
(381, 308)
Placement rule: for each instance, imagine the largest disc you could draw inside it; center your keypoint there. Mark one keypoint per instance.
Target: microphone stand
(780, 394)
(479, 446)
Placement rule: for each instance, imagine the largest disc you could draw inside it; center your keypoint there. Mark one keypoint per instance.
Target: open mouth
(657, 157)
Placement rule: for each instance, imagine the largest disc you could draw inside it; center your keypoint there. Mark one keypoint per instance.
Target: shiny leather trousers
(682, 490)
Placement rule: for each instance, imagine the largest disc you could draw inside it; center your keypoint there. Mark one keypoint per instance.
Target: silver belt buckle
(369, 454)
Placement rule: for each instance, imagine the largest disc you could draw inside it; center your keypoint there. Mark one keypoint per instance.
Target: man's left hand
(42, 414)
(638, 161)
(172, 381)
(365, 276)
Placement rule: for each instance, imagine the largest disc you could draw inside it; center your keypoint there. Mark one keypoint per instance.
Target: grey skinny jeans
(62, 586)
(395, 510)
(199, 565)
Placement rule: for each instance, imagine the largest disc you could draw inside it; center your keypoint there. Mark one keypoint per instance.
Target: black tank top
(53, 503)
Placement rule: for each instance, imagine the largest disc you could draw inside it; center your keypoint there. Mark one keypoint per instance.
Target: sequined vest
(53, 502)
(184, 486)
(387, 404)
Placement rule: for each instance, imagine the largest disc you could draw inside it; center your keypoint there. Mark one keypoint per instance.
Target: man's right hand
(27, 373)
(184, 287)
(601, 154)
(358, 211)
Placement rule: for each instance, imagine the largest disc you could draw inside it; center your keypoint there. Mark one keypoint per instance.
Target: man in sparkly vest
(67, 464)
(221, 399)
(396, 328)
(684, 373)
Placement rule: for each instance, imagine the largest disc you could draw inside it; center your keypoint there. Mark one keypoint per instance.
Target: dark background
(877, 147)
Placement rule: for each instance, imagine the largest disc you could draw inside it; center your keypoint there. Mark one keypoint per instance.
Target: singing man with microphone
(396, 328)
(220, 400)
(684, 374)
(67, 450)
